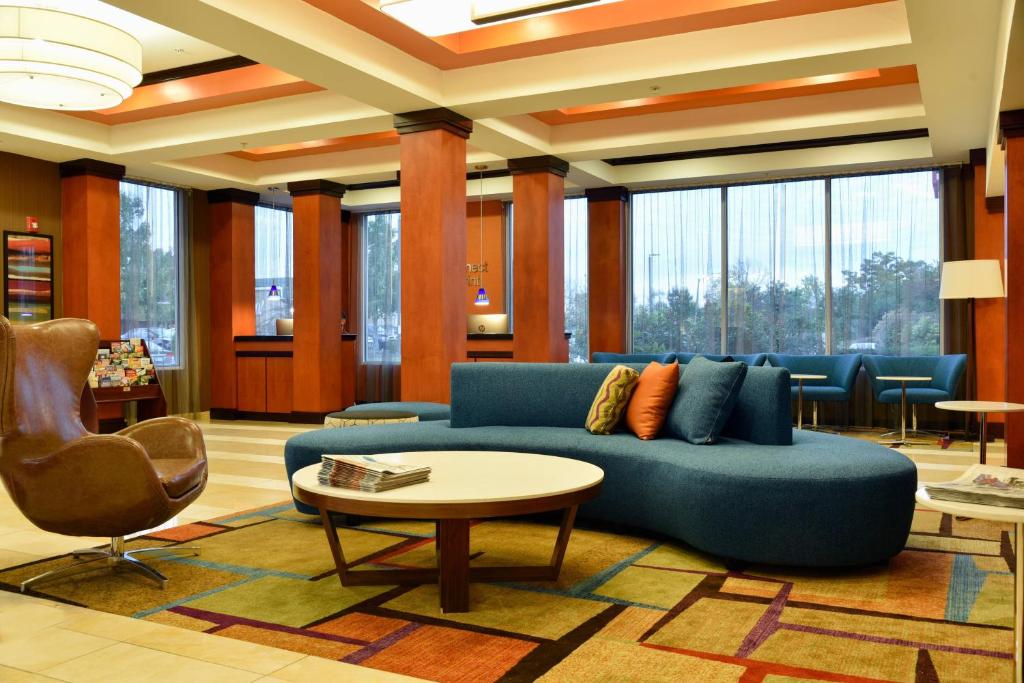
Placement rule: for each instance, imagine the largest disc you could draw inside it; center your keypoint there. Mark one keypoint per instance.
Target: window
(576, 278)
(863, 252)
(151, 252)
(273, 267)
(382, 288)
(886, 246)
(776, 252)
(677, 262)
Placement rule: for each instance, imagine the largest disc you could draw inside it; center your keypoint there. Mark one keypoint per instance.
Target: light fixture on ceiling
(56, 59)
(481, 295)
(466, 15)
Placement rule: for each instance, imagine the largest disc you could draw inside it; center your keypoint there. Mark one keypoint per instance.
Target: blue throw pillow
(704, 402)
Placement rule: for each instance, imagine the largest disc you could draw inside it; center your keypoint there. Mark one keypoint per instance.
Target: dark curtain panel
(958, 245)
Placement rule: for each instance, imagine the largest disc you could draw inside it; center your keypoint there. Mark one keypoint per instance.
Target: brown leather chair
(71, 482)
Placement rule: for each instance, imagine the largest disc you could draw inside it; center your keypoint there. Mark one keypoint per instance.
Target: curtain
(156, 292)
(273, 246)
(677, 270)
(958, 245)
(776, 300)
(576, 313)
(381, 306)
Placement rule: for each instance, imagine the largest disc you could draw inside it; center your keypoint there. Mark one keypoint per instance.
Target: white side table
(903, 379)
(800, 398)
(994, 513)
(982, 408)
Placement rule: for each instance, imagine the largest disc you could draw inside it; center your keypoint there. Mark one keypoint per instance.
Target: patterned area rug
(626, 608)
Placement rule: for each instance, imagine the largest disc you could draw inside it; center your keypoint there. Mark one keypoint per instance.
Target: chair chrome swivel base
(115, 556)
(904, 436)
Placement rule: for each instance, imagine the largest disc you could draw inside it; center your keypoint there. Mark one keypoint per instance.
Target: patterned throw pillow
(610, 402)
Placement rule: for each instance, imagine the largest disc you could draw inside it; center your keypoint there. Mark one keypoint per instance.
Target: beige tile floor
(42, 640)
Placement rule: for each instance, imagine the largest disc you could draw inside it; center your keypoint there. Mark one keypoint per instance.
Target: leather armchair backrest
(51, 363)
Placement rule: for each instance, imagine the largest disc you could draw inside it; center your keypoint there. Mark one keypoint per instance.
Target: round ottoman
(362, 418)
(426, 411)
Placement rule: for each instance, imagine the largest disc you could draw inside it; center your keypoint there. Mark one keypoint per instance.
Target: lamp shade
(55, 59)
(977, 279)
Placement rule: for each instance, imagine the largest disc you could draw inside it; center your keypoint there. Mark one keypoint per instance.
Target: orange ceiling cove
(298, 149)
(757, 92)
(584, 27)
(199, 93)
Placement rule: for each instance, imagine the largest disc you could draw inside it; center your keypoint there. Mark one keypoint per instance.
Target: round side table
(902, 379)
(982, 408)
(993, 513)
(800, 398)
(363, 418)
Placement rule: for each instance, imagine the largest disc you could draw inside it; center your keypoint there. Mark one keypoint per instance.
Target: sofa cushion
(610, 402)
(704, 402)
(763, 413)
(653, 396)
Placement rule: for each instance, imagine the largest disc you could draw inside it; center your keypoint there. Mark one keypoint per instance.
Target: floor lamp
(976, 279)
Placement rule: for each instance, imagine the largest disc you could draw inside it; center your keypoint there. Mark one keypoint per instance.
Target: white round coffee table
(994, 513)
(464, 485)
(982, 408)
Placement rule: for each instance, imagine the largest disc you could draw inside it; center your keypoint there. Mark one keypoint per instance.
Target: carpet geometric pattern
(626, 607)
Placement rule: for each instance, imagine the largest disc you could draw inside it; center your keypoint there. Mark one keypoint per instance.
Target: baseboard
(223, 414)
(300, 417)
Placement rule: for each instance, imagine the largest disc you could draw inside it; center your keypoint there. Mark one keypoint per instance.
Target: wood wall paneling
(989, 314)
(91, 229)
(232, 293)
(1014, 236)
(539, 267)
(316, 365)
(32, 187)
(494, 255)
(607, 274)
(280, 385)
(433, 193)
(252, 384)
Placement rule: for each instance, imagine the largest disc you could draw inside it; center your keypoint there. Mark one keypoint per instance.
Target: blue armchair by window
(754, 359)
(945, 373)
(841, 372)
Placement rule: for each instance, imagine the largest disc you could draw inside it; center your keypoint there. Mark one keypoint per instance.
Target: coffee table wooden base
(453, 573)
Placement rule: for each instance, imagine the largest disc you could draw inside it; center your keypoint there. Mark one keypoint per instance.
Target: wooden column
(1011, 124)
(318, 273)
(433, 176)
(538, 282)
(91, 224)
(232, 290)
(608, 269)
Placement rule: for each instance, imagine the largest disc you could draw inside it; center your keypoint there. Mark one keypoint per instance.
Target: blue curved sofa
(751, 359)
(764, 493)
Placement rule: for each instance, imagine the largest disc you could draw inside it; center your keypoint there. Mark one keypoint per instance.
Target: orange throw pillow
(652, 398)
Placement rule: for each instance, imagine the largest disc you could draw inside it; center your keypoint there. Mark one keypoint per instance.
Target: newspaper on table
(983, 485)
(369, 473)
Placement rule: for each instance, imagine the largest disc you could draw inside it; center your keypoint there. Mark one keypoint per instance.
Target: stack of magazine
(369, 473)
(983, 485)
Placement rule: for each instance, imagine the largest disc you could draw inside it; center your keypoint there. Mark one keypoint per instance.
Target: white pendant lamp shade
(53, 59)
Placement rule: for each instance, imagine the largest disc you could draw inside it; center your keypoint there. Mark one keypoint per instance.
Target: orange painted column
(318, 273)
(1011, 124)
(433, 177)
(232, 290)
(91, 227)
(608, 269)
(538, 256)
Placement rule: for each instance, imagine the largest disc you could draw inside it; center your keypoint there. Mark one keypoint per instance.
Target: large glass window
(777, 268)
(273, 268)
(151, 239)
(576, 278)
(886, 248)
(382, 287)
(677, 262)
(871, 262)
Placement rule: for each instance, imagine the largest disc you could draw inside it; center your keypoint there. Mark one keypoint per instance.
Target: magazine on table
(983, 485)
(369, 473)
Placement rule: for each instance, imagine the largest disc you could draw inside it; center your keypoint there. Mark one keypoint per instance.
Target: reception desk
(265, 385)
(494, 347)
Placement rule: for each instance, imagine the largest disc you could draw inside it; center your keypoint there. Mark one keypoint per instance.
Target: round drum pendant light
(55, 59)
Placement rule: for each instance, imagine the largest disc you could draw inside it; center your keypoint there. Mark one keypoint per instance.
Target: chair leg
(115, 556)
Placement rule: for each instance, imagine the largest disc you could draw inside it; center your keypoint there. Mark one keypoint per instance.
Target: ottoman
(425, 411)
(362, 418)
